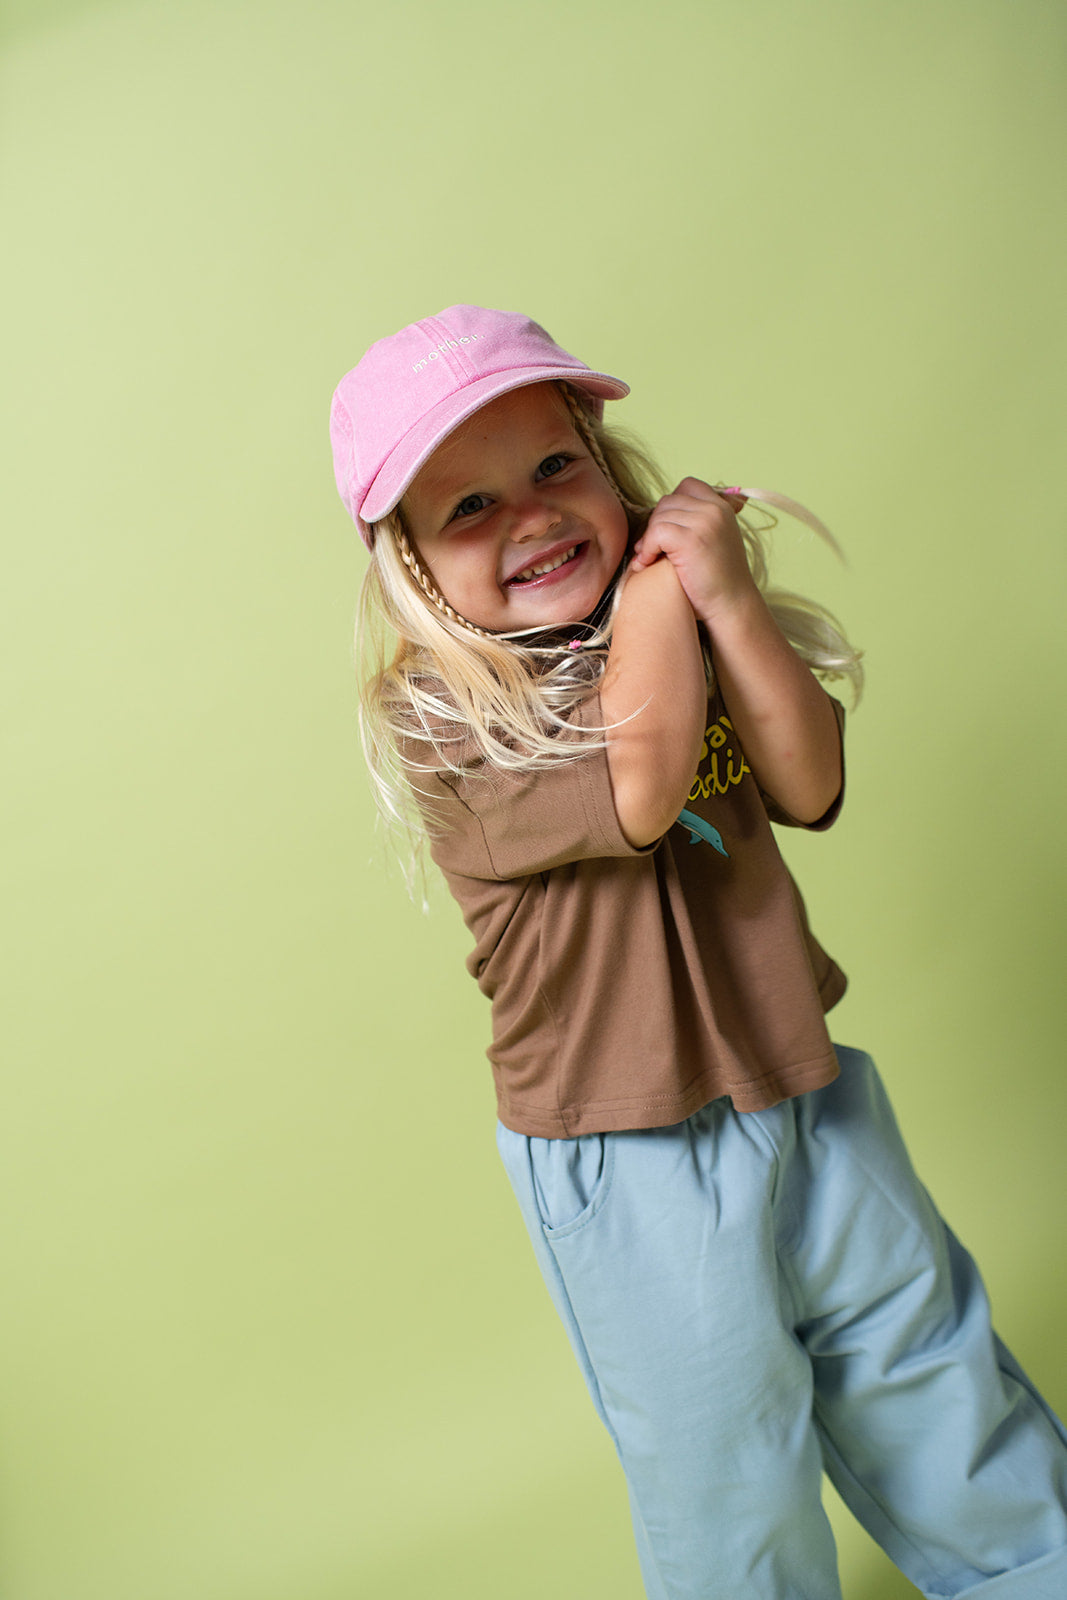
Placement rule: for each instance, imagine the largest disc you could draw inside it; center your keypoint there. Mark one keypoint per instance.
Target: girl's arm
(782, 715)
(654, 698)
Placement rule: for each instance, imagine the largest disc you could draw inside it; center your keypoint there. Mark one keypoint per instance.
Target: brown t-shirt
(631, 986)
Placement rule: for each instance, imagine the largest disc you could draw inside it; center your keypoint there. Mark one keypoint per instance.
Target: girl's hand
(695, 527)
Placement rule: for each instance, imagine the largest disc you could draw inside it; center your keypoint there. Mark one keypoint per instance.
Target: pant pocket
(571, 1180)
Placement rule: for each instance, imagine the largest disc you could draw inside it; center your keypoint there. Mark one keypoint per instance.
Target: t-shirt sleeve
(500, 825)
(779, 814)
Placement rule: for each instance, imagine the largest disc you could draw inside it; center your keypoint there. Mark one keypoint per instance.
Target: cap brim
(420, 442)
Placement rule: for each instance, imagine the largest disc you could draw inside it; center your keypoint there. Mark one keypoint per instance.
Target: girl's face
(513, 518)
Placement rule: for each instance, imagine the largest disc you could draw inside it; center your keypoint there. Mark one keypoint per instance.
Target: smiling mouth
(542, 569)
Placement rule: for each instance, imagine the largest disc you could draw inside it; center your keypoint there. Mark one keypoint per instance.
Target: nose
(534, 520)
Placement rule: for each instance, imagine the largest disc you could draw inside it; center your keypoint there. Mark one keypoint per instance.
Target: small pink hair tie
(575, 644)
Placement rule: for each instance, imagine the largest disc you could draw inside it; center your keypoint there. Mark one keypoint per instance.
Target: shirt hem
(662, 1111)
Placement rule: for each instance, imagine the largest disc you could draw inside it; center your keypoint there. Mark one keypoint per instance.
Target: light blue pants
(756, 1296)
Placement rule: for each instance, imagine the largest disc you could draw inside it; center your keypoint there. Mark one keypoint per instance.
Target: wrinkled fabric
(632, 986)
(754, 1296)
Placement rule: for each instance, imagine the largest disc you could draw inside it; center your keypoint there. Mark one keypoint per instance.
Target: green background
(272, 1330)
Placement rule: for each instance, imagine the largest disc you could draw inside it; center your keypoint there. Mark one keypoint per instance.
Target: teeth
(547, 566)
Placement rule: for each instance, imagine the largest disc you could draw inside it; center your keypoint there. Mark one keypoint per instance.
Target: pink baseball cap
(411, 390)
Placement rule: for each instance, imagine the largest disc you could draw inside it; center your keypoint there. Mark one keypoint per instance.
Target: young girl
(600, 711)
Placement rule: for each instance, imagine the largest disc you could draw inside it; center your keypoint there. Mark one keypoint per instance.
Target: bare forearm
(782, 715)
(784, 720)
(654, 691)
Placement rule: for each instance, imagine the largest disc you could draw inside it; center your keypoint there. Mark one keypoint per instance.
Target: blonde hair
(454, 696)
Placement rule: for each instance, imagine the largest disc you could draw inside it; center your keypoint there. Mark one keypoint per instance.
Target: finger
(649, 547)
(696, 488)
(696, 503)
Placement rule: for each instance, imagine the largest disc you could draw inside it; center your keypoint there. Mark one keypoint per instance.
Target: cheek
(615, 523)
(457, 567)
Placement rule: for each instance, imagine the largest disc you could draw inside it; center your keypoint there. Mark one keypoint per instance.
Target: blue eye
(553, 464)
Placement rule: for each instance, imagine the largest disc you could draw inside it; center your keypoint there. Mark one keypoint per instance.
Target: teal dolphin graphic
(699, 829)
